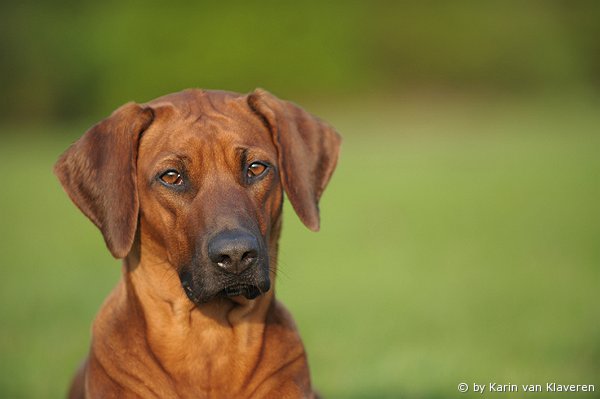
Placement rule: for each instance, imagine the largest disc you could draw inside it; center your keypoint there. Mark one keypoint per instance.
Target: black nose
(233, 250)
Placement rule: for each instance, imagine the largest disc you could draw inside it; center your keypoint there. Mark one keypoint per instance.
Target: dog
(188, 190)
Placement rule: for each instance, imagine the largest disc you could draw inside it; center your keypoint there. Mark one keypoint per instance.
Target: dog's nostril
(249, 257)
(224, 261)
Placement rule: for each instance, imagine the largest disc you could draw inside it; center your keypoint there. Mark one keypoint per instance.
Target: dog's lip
(189, 291)
(249, 291)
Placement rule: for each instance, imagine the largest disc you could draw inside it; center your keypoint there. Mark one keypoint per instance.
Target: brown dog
(188, 190)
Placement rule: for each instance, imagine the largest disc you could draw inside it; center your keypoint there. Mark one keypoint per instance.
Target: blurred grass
(459, 243)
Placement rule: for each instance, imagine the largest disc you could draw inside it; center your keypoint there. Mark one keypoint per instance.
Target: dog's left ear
(308, 151)
(98, 172)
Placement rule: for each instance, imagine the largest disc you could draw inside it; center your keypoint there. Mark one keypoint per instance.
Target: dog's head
(197, 179)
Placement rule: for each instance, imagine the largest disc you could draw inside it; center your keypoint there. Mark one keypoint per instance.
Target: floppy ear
(98, 172)
(308, 151)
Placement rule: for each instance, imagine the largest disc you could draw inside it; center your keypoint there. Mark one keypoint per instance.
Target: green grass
(459, 243)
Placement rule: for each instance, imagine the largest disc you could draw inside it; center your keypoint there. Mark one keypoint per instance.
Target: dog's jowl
(188, 189)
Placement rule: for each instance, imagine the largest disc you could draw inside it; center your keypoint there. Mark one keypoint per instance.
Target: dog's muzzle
(236, 264)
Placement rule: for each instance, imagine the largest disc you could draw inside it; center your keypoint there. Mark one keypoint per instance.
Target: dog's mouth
(249, 291)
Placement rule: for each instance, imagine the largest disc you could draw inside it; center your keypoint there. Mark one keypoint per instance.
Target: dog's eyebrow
(246, 152)
(173, 157)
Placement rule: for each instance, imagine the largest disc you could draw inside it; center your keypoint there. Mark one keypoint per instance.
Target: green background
(460, 233)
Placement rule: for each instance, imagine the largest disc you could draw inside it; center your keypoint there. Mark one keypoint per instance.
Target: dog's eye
(172, 177)
(256, 169)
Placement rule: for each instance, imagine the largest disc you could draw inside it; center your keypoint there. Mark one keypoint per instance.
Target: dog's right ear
(98, 172)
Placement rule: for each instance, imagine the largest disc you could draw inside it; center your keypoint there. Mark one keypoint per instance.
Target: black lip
(185, 279)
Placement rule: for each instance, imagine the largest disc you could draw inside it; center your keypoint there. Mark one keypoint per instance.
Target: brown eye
(256, 169)
(172, 177)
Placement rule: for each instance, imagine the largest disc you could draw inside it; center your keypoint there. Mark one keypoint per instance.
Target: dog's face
(198, 177)
(210, 195)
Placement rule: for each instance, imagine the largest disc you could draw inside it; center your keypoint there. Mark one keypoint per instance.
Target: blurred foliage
(63, 59)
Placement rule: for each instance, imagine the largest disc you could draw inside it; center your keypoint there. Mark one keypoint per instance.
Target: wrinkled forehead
(198, 121)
